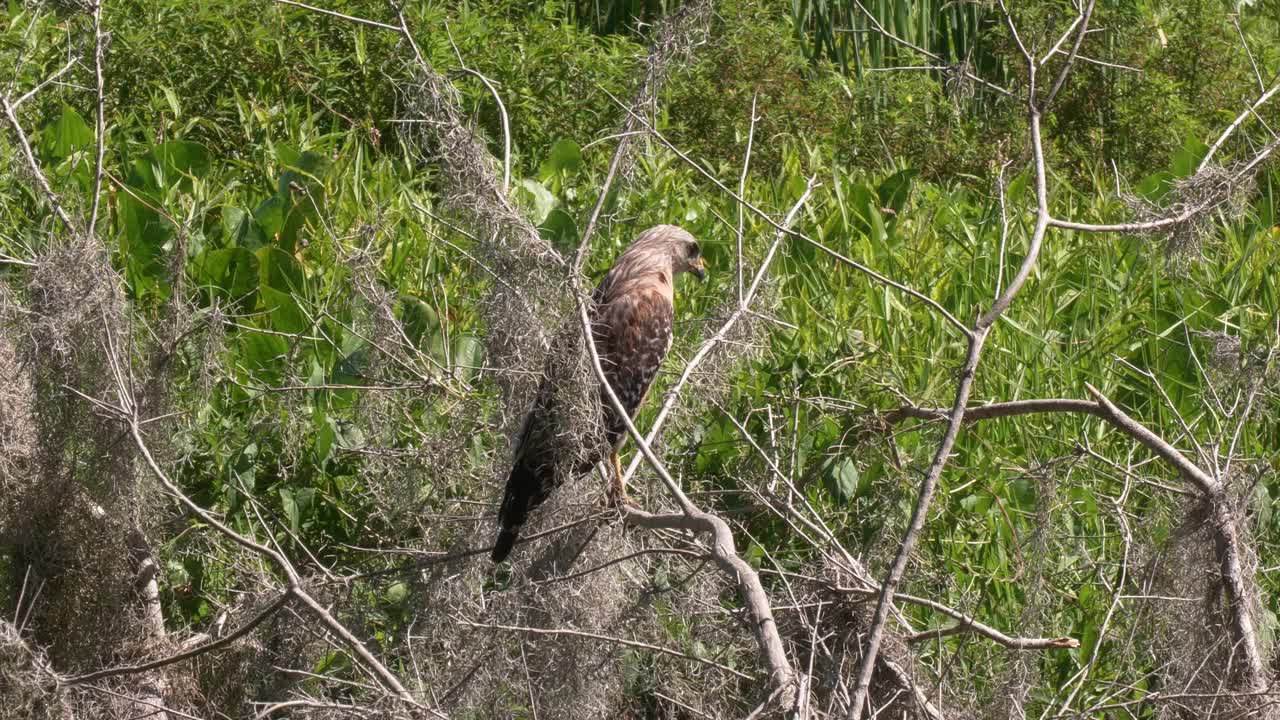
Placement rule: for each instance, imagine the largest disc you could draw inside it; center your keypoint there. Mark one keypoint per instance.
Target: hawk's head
(666, 247)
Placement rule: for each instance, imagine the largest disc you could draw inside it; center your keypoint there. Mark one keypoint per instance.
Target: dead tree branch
(977, 338)
(11, 115)
(1223, 518)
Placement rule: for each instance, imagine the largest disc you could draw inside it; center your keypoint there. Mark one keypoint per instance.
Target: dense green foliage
(259, 186)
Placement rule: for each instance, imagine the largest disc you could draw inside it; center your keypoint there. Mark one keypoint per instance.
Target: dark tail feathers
(506, 541)
(517, 500)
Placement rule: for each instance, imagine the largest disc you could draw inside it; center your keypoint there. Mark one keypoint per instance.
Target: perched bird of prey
(631, 325)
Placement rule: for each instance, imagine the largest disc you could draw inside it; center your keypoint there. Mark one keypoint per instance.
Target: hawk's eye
(693, 250)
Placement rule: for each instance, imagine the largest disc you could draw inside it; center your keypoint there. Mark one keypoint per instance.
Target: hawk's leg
(617, 489)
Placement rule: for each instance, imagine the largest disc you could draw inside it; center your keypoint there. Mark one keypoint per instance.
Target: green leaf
(559, 229)
(270, 216)
(243, 467)
(262, 354)
(565, 157)
(176, 162)
(468, 354)
(67, 135)
(279, 270)
(290, 505)
(349, 436)
(325, 439)
(396, 593)
(420, 320)
(896, 190)
(842, 479)
(1187, 158)
(1155, 186)
(1018, 185)
(286, 315)
(239, 229)
(537, 199)
(977, 503)
(230, 273)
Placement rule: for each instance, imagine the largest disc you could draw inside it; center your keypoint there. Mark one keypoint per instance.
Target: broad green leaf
(1187, 157)
(263, 354)
(559, 229)
(326, 436)
(68, 135)
(537, 199)
(286, 315)
(239, 229)
(280, 270)
(420, 320)
(229, 273)
(396, 593)
(565, 157)
(170, 163)
(468, 354)
(270, 216)
(842, 479)
(896, 189)
(290, 505)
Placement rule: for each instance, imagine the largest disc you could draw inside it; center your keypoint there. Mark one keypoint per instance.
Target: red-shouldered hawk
(631, 325)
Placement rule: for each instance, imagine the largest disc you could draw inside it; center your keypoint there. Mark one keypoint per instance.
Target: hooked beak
(699, 268)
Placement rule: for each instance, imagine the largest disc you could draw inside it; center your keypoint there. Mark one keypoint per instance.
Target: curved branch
(1156, 444)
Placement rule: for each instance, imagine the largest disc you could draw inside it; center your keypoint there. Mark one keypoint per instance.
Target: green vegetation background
(272, 136)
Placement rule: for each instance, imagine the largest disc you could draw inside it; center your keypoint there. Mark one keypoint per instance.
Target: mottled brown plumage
(631, 327)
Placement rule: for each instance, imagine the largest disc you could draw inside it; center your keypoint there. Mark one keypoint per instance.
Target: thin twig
(348, 18)
(101, 137)
(34, 166)
(502, 112)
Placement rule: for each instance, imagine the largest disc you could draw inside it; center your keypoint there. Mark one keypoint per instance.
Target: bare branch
(1083, 20)
(1155, 443)
(966, 623)
(1213, 149)
(295, 581)
(46, 82)
(999, 410)
(502, 112)
(101, 136)
(34, 167)
(977, 338)
(340, 16)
